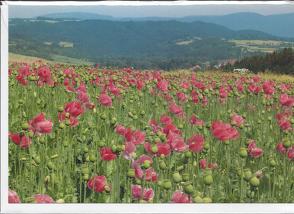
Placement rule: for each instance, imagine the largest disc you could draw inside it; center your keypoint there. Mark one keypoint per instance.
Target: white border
(4, 106)
(145, 3)
(107, 208)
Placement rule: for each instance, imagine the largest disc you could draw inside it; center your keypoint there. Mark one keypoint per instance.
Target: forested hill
(146, 44)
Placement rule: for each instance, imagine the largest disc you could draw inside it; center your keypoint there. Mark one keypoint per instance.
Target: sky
(145, 11)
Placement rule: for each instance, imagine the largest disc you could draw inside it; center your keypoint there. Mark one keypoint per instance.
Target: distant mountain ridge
(150, 44)
(281, 25)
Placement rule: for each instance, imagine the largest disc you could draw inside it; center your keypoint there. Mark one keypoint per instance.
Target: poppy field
(83, 134)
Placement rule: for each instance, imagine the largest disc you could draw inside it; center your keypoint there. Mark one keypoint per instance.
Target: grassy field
(266, 46)
(56, 59)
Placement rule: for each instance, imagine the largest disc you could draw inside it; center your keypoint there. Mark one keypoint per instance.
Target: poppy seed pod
(188, 189)
(167, 185)
(254, 181)
(208, 179)
(177, 177)
(197, 199)
(243, 152)
(207, 200)
(162, 165)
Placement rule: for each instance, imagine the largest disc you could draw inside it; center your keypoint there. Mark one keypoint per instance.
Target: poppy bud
(188, 189)
(287, 143)
(92, 157)
(154, 148)
(114, 148)
(162, 165)
(208, 180)
(146, 164)
(167, 185)
(206, 146)
(177, 177)
(25, 126)
(103, 116)
(86, 177)
(207, 200)
(61, 125)
(254, 181)
(37, 159)
(157, 140)
(50, 165)
(247, 174)
(42, 139)
(197, 199)
(273, 163)
(60, 201)
(243, 152)
(188, 154)
(31, 134)
(60, 109)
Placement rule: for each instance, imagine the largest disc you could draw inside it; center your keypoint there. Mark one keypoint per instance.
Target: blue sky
(143, 11)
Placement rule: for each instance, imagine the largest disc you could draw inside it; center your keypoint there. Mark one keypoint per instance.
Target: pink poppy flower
(290, 153)
(21, 140)
(107, 154)
(13, 197)
(105, 100)
(175, 109)
(43, 199)
(287, 100)
(195, 121)
(146, 194)
(40, 125)
(254, 151)
(237, 120)
(223, 131)
(162, 85)
(196, 143)
(180, 197)
(97, 183)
